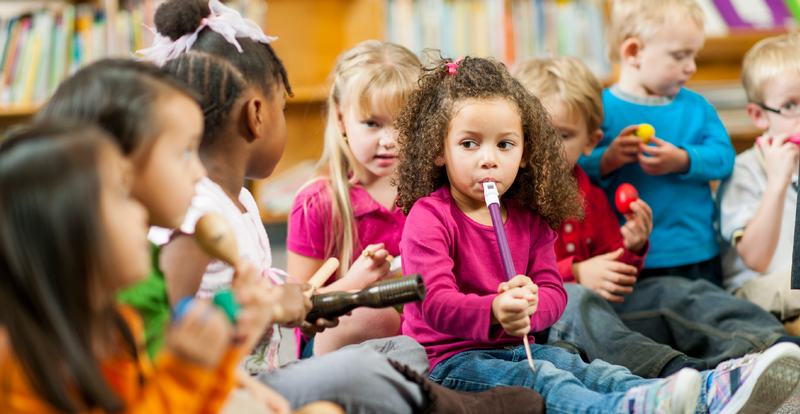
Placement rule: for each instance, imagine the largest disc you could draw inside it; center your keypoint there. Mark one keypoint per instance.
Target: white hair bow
(223, 20)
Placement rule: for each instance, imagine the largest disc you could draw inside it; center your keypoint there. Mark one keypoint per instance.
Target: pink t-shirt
(459, 260)
(309, 220)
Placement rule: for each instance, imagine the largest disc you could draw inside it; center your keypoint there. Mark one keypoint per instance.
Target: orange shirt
(171, 386)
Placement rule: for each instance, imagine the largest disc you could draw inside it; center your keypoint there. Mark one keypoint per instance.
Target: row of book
(509, 30)
(41, 45)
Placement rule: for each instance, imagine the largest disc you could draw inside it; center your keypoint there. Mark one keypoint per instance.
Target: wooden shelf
(19, 110)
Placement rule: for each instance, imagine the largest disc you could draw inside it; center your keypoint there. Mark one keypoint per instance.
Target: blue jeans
(663, 318)
(567, 384)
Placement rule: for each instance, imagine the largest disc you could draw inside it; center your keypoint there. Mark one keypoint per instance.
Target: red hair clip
(453, 67)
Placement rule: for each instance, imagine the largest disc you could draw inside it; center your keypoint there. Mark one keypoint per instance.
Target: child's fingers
(610, 297)
(629, 131)
(621, 273)
(519, 281)
(616, 289)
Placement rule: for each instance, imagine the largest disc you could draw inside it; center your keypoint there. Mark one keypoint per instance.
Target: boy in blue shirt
(655, 44)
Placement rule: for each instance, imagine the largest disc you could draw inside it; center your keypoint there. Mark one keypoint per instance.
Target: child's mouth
(385, 160)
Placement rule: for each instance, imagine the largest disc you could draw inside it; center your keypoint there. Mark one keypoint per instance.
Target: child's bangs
(385, 87)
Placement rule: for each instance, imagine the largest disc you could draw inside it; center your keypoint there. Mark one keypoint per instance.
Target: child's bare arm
(758, 242)
(183, 263)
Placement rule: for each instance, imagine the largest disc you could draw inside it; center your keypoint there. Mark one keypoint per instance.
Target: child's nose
(387, 140)
(489, 159)
(691, 67)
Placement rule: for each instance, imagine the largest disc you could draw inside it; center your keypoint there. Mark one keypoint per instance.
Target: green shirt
(149, 297)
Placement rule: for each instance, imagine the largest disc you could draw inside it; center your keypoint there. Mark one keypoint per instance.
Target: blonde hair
(567, 79)
(372, 71)
(642, 19)
(767, 60)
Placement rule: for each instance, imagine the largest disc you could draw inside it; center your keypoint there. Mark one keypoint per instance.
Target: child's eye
(566, 135)
(187, 154)
(371, 124)
(789, 106)
(679, 55)
(505, 145)
(469, 144)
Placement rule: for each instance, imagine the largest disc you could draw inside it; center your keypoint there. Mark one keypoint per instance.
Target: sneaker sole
(778, 377)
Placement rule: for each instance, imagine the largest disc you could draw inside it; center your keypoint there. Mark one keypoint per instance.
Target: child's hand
(664, 158)
(293, 304)
(606, 276)
(262, 394)
(517, 301)
(622, 150)
(309, 330)
(201, 336)
(367, 270)
(780, 159)
(636, 231)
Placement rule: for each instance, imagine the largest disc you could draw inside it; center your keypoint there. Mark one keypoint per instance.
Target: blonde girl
(348, 206)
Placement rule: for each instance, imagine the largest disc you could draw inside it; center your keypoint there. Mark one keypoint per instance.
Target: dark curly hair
(215, 68)
(545, 185)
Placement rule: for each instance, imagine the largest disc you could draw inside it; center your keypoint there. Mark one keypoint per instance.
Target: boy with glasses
(757, 202)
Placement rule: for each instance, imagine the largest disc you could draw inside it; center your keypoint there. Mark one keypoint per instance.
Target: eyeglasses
(790, 110)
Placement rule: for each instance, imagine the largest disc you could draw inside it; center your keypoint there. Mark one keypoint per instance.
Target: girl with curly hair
(470, 122)
(348, 205)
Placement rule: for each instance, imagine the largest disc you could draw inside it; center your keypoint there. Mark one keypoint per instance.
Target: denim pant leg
(567, 384)
(698, 318)
(590, 322)
(359, 379)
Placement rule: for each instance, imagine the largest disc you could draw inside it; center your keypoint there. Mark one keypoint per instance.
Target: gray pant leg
(698, 318)
(359, 379)
(402, 349)
(590, 322)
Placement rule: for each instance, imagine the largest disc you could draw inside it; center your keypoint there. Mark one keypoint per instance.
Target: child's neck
(380, 189)
(228, 169)
(476, 210)
(629, 83)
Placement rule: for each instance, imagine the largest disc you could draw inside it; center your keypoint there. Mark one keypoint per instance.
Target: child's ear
(256, 116)
(439, 160)
(758, 116)
(629, 51)
(594, 139)
(340, 119)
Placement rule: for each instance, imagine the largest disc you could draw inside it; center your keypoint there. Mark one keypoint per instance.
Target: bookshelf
(313, 32)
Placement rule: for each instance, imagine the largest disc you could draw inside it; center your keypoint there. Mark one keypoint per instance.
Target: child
(757, 203)
(242, 99)
(597, 255)
(468, 123)
(158, 124)
(371, 82)
(71, 236)
(655, 43)
(156, 120)
(246, 143)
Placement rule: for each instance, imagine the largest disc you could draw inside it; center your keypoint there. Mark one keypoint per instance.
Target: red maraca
(626, 194)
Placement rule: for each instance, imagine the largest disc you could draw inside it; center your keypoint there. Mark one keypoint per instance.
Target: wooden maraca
(215, 236)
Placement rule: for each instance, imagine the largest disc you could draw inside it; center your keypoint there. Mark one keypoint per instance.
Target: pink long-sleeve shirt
(460, 263)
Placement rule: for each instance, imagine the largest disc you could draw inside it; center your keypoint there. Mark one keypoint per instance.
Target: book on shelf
(42, 43)
(508, 30)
